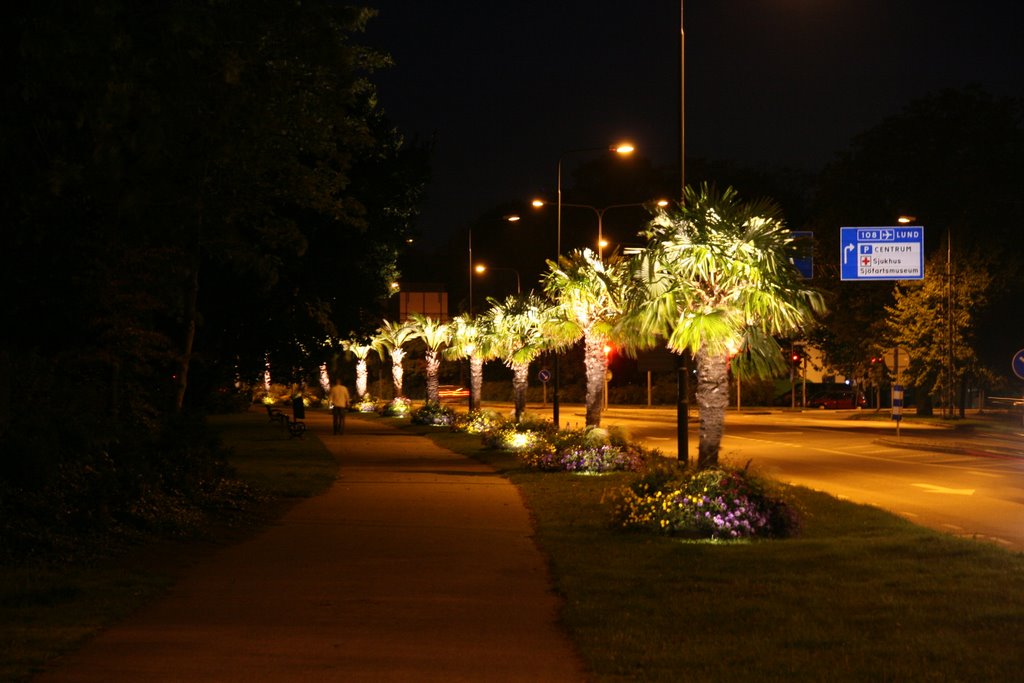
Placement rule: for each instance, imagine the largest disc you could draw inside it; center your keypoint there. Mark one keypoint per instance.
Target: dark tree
(954, 161)
(191, 187)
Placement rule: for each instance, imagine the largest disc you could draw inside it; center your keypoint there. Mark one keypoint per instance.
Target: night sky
(503, 88)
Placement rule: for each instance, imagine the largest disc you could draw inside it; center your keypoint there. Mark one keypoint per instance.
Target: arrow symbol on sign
(932, 488)
(846, 251)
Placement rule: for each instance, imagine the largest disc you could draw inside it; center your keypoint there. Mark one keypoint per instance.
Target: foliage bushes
(431, 413)
(396, 407)
(718, 503)
(166, 484)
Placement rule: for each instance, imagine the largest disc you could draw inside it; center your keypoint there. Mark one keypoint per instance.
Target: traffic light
(608, 348)
(796, 357)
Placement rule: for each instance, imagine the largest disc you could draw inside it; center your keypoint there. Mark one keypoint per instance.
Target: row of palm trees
(715, 279)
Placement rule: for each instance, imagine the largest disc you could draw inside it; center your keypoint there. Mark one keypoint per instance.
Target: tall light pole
(599, 212)
(622, 148)
(481, 269)
(682, 101)
(511, 218)
(683, 369)
(471, 271)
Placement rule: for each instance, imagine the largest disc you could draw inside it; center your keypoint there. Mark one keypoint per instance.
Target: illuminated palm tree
(472, 338)
(392, 338)
(717, 279)
(521, 326)
(436, 335)
(588, 302)
(360, 349)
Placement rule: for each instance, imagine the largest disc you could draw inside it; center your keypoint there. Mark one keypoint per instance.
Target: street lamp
(481, 269)
(621, 148)
(599, 212)
(511, 218)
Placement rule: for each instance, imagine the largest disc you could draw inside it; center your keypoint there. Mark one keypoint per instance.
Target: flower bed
(718, 504)
(397, 407)
(477, 421)
(587, 451)
(433, 414)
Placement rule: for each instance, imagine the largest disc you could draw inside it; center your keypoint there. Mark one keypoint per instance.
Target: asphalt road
(966, 484)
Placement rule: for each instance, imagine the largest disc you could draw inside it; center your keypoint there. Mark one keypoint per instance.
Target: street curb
(947, 448)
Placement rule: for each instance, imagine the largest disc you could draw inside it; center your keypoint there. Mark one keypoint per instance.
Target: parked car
(452, 392)
(837, 399)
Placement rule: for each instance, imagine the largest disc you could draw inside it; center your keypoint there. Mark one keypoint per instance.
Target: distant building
(426, 298)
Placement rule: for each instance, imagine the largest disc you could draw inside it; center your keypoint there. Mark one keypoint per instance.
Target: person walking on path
(339, 405)
(418, 564)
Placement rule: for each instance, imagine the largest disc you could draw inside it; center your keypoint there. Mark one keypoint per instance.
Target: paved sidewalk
(417, 565)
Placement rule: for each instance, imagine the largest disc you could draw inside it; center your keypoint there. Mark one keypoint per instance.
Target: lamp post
(599, 212)
(510, 218)
(471, 271)
(683, 367)
(481, 269)
(622, 148)
(950, 369)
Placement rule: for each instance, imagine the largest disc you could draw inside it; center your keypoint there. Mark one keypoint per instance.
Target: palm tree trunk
(433, 362)
(596, 365)
(520, 375)
(712, 399)
(361, 376)
(476, 381)
(396, 371)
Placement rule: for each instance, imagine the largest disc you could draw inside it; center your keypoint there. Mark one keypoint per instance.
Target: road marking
(932, 488)
(771, 441)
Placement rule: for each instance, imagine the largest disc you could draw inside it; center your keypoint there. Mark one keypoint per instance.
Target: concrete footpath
(417, 565)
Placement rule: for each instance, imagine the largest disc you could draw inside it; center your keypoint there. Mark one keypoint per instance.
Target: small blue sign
(1018, 364)
(884, 253)
(804, 260)
(897, 402)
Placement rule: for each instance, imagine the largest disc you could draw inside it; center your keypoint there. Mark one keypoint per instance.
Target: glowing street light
(621, 148)
(511, 218)
(599, 212)
(481, 269)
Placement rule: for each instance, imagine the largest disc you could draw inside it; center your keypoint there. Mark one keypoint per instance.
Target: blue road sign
(1018, 364)
(804, 260)
(886, 253)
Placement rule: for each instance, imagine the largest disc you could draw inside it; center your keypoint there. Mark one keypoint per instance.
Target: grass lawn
(861, 595)
(45, 611)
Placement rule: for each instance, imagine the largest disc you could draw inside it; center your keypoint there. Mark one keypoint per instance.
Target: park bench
(296, 428)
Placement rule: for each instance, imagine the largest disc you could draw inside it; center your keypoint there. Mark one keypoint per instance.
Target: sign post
(897, 406)
(885, 253)
(544, 376)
